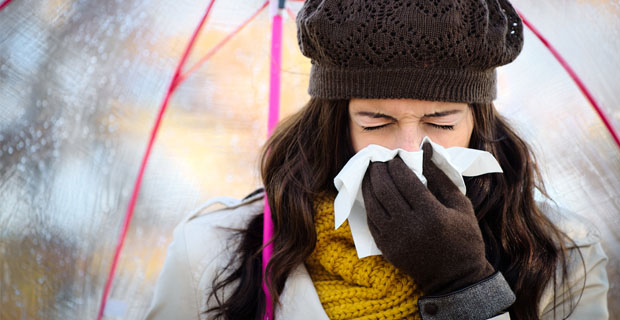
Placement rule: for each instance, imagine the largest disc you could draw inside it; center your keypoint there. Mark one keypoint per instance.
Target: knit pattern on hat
(353, 288)
(443, 50)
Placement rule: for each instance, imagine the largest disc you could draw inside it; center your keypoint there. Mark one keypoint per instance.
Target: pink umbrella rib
(4, 4)
(221, 44)
(291, 14)
(586, 92)
(274, 113)
(138, 182)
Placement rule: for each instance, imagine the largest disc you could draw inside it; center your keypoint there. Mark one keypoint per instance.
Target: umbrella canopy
(82, 82)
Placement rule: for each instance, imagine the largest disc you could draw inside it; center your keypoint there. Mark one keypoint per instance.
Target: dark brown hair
(306, 152)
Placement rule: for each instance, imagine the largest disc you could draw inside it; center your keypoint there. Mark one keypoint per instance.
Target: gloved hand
(431, 234)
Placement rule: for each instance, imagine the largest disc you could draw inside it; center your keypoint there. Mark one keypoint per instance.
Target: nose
(409, 139)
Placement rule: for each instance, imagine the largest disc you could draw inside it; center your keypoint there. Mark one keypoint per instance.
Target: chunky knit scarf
(353, 288)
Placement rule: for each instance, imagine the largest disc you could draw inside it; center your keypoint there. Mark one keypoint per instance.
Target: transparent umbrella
(82, 83)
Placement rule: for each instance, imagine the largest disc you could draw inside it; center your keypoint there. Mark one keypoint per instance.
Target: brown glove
(431, 234)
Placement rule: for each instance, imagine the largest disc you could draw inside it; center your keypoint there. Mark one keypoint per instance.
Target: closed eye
(376, 127)
(444, 127)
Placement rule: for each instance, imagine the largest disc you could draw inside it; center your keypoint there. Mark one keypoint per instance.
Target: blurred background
(81, 82)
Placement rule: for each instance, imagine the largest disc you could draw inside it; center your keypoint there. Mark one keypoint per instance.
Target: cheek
(449, 138)
(469, 128)
(459, 137)
(354, 136)
(361, 139)
(462, 135)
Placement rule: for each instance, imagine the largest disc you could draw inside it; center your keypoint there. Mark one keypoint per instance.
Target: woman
(391, 73)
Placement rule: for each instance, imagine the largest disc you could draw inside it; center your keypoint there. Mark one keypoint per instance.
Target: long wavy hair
(306, 152)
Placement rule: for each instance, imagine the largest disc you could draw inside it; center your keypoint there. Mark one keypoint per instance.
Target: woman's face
(402, 123)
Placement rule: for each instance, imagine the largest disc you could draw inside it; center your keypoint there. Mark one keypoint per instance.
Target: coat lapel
(299, 298)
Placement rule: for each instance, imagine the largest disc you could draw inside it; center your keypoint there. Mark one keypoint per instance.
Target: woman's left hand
(431, 234)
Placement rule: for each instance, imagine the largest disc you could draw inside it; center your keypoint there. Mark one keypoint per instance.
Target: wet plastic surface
(80, 85)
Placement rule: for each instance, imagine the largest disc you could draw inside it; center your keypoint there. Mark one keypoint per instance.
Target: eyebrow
(379, 115)
(442, 113)
(375, 115)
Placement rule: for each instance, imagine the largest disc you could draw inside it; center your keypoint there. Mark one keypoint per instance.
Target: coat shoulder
(220, 208)
(202, 245)
(577, 227)
(209, 232)
(584, 293)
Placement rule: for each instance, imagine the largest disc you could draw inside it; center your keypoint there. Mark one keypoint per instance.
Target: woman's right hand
(431, 233)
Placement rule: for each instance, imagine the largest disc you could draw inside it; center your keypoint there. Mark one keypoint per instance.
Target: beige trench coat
(198, 250)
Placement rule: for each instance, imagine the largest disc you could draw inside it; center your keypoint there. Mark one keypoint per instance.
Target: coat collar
(299, 299)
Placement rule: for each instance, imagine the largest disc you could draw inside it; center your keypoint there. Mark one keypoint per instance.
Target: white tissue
(455, 162)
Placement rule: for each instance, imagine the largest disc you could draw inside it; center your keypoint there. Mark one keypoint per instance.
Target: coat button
(431, 309)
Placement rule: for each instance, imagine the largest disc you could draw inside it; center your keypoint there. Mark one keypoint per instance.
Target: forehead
(403, 106)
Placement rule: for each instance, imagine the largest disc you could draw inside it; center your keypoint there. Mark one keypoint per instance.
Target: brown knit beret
(440, 50)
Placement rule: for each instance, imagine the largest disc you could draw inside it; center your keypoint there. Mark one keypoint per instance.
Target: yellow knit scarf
(353, 288)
